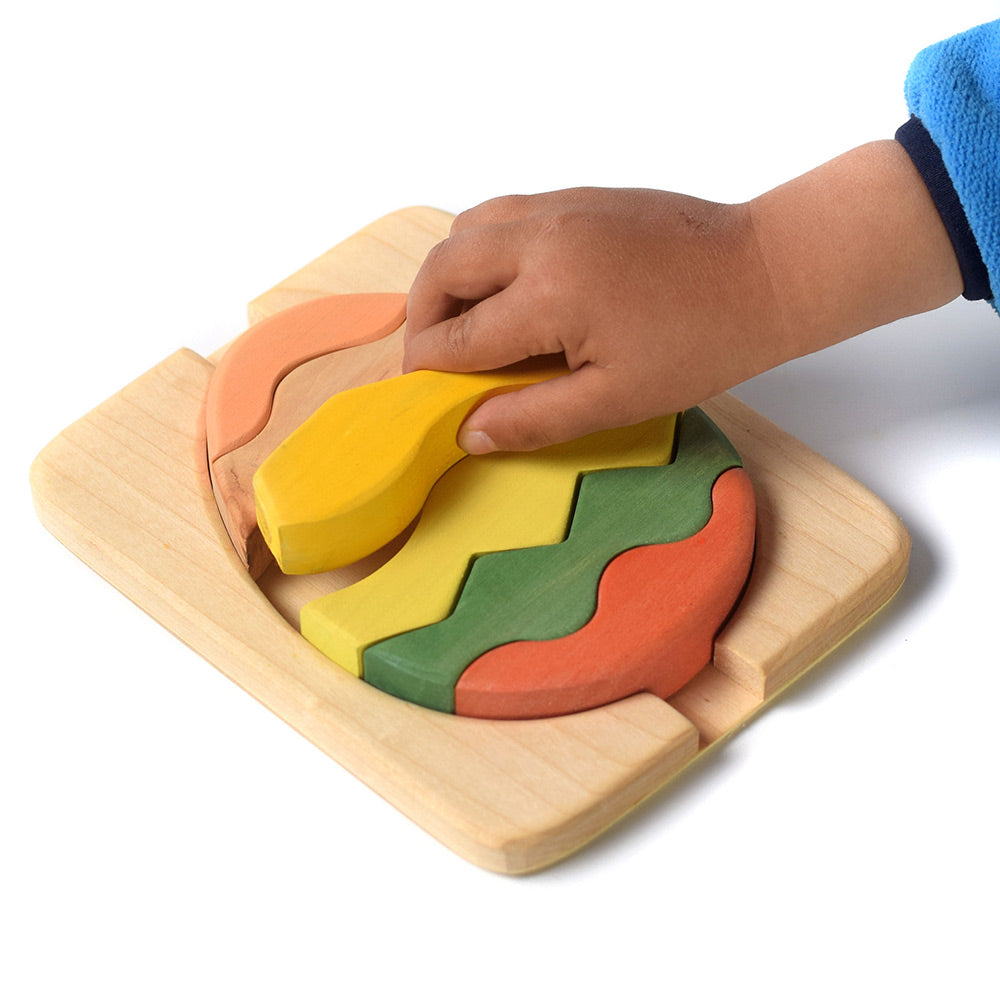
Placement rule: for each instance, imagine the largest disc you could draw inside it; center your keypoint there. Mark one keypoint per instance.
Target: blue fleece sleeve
(953, 88)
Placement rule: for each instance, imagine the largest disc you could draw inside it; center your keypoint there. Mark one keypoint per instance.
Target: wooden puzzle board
(127, 489)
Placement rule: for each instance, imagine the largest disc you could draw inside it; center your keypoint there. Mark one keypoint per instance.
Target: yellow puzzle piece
(355, 474)
(484, 504)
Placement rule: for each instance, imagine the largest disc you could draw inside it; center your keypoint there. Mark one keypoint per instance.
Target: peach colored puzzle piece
(357, 472)
(659, 608)
(239, 396)
(271, 379)
(483, 504)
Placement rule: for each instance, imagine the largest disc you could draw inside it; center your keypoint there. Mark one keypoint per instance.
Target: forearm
(852, 245)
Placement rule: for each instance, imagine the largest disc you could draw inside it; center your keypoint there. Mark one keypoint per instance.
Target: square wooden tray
(126, 488)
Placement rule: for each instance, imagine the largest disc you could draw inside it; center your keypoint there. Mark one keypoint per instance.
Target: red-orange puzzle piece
(659, 608)
(240, 394)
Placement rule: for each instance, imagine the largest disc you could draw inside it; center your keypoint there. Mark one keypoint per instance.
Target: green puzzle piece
(551, 590)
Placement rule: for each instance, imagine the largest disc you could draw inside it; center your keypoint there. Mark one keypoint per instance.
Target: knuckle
(464, 220)
(553, 313)
(435, 254)
(457, 335)
(532, 426)
(491, 212)
(563, 224)
(432, 264)
(553, 226)
(534, 436)
(544, 284)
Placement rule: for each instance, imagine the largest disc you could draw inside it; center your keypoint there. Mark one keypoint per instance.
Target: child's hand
(659, 301)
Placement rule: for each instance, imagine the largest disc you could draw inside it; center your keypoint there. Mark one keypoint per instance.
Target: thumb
(550, 412)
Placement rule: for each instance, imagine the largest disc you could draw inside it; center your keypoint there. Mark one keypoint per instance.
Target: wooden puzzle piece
(239, 396)
(297, 395)
(659, 608)
(550, 591)
(483, 504)
(273, 376)
(356, 473)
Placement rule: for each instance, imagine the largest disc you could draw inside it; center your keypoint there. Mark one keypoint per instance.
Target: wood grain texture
(551, 591)
(126, 488)
(509, 798)
(483, 504)
(382, 257)
(659, 608)
(350, 478)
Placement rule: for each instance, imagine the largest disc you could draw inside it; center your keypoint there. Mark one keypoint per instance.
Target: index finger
(466, 267)
(498, 331)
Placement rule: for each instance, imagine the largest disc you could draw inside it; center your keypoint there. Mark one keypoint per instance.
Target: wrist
(852, 245)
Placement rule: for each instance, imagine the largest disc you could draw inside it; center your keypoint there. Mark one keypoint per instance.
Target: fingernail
(476, 442)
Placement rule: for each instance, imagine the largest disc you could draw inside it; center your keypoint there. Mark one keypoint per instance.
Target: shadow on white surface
(894, 399)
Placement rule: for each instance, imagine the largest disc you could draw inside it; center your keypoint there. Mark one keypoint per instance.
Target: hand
(657, 301)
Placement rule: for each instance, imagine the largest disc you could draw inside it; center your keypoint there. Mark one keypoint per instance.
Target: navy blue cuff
(926, 156)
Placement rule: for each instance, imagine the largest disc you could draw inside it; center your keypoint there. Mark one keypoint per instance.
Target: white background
(164, 836)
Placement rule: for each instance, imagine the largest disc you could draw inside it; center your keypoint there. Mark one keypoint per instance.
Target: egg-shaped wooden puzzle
(514, 649)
